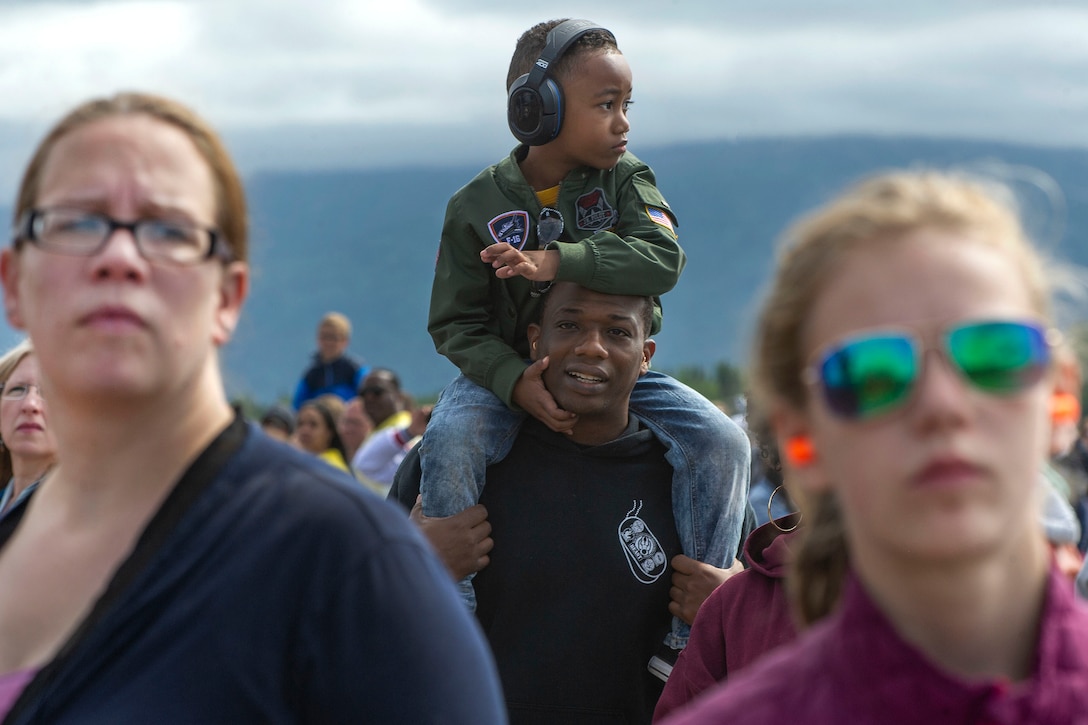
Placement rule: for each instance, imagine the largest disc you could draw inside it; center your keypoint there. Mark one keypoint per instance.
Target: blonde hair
(8, 362)
(875, 213)
(338, 322)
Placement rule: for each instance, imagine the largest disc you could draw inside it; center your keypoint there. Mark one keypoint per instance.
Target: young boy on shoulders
(568, 204)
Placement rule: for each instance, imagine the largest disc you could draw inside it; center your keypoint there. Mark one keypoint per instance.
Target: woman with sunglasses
(27, 448)
(178, 565)
(907, 340)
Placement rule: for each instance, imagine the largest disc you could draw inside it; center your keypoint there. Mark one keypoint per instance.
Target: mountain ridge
(363, 242)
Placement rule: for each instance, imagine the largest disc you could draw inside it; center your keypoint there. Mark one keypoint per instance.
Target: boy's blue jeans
(470, 429)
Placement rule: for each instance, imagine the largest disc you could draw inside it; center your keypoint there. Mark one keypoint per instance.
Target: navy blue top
(340, 377)
(271, 588)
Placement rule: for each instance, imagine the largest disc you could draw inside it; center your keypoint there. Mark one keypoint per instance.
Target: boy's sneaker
(661, 663)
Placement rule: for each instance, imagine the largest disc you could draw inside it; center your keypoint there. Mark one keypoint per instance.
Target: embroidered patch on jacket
(594, 211)
(511, 227)
(659, 217)
(643, 550)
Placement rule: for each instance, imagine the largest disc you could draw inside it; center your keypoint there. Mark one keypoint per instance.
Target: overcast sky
(324, 83)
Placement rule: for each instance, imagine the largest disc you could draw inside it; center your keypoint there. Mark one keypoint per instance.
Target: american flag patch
(660, 218)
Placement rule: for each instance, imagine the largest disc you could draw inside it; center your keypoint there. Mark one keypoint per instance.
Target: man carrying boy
(568, 204)
(575, 599)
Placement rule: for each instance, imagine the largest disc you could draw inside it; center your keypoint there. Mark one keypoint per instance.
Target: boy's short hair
(531, 44)
(337, 322)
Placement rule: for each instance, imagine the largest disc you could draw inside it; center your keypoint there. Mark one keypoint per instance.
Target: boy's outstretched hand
(539, 265)
(531, 396)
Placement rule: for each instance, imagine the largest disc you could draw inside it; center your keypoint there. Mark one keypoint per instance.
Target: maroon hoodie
(853, 667)
(743, 618)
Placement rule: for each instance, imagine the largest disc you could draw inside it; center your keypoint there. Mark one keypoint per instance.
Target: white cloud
(345, 82)
(367, 63)
(995, 74)
(54, 53)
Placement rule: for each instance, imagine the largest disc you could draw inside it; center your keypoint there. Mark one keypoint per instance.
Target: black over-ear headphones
(534, 106)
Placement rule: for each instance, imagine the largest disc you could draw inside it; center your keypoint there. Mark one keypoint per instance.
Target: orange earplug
(1064, 408)
(799, 451)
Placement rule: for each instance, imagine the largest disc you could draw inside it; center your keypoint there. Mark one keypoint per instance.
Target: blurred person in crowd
(383, 400)
(749, 614)
(377, 460)
(27, 448)
(354, 426)
(278, 422)
(318, 430)
(332, 370)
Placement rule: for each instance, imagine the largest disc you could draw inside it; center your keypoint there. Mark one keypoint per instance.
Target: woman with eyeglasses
(907, 341)
(27, 448)
(179, 566)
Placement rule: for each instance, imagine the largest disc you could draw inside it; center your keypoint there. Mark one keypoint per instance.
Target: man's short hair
(646, 315)
(382, 373)
(531, 44)
(645, 312)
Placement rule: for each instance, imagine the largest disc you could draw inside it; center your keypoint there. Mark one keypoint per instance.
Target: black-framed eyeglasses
(81, 233)
(18, 391)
